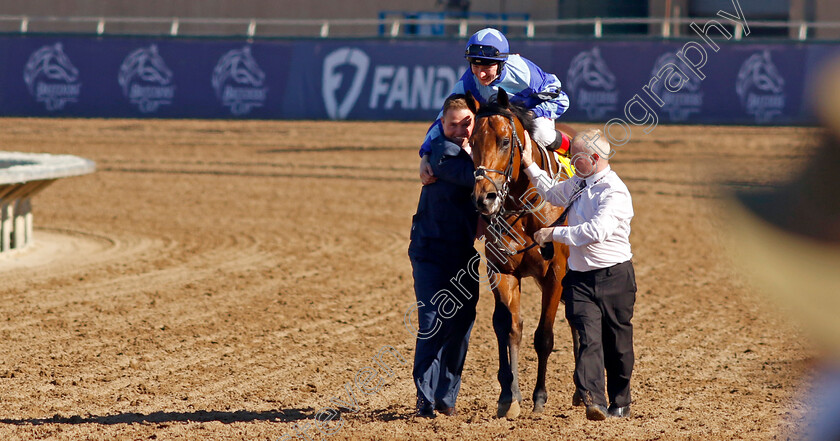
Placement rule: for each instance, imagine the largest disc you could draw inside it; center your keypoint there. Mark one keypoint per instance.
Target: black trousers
(599, 305)
(445, 320)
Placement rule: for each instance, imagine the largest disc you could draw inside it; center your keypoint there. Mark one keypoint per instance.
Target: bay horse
(509, 203)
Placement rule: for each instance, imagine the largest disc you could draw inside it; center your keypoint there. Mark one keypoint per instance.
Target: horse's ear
(502, 98)
(472, 103)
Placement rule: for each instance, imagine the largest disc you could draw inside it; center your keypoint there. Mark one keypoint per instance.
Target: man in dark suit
(442, 244)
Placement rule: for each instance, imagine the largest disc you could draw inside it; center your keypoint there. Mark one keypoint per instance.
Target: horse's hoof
(538, 408)
(508, 410)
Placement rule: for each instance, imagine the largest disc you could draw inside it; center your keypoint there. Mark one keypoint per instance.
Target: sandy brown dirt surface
(224, 280)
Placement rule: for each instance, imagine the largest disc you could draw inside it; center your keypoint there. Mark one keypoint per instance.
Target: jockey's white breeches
(544, 133)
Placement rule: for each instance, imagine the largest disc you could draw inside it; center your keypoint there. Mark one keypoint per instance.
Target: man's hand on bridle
(527, 151)
(544, 236)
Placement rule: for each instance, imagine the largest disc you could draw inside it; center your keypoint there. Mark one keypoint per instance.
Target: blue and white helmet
(487, 46)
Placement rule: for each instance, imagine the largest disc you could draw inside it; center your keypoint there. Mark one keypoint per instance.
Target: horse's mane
(520, 112)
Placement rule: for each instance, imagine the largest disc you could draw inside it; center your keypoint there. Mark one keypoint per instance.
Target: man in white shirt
(599, 289)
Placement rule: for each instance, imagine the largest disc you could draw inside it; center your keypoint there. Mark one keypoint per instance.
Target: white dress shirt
(598, 234)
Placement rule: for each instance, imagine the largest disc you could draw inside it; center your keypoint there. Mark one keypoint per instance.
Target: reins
(481, 173)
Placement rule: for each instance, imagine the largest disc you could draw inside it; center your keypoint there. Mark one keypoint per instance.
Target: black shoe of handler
(596, 412)
(619, 412)
(448, 411)
(425, 409)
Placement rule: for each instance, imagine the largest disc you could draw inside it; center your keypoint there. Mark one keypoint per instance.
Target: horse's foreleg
(544, 337)
(507, 323)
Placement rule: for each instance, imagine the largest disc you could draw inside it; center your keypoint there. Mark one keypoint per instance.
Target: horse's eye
(506, 142)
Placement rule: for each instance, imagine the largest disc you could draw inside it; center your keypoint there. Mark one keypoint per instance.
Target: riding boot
(561, 143)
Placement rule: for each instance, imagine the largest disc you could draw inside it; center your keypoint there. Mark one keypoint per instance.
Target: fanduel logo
(51, 78)
(591, 84)
(146, 80)
(238, 81)
(686, 100)
(331, 80)
(404, 87)
(761, 87)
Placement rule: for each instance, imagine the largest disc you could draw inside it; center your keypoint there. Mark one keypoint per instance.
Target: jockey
(493, 68)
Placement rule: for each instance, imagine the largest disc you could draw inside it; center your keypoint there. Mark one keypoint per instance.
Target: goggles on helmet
(480, 51)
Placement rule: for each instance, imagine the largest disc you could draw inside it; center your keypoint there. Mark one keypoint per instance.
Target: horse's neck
(522, 184)
(542, 158)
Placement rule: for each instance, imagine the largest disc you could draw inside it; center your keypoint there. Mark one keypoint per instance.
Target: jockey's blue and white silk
(526, 85)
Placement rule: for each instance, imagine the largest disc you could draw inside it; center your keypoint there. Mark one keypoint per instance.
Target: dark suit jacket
(446, 217)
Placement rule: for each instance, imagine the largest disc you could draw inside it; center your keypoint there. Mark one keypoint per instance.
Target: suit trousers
(599, 306)
(446, 313)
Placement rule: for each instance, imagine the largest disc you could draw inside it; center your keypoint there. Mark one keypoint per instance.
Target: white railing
(386, 27)
(22, 176)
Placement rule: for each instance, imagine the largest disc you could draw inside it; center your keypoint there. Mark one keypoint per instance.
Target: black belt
(596, 271)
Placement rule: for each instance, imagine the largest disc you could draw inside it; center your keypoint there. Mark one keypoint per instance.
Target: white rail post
(677, 18)
(20, 225)
(28, 219)
(100, 26)
(325, 29)
(803, 31)
(252, 28)
(462, 28)
(666, 28)
(395, 28)
(6, 226)
(739, 31)
(529, 30)
(173, 30)
(24, 25)
(599, 28)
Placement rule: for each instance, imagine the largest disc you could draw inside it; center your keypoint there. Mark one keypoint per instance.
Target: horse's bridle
(481, 173)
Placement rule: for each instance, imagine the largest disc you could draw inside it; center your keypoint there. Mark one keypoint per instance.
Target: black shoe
(619, 412)
(596, 412)
(425, 409)
(448, 411)
(577, 398)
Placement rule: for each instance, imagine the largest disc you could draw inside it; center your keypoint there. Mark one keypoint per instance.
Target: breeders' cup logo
(51, 77)
(145, 79)
(343, 62)
(591, 84)
(681, 104)
(238, 81)
(761, 87)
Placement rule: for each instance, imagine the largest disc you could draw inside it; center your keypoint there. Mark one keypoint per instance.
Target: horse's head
(53, 63)
(145, 64)
(497, 141)
(691, 84)
(239, 66)
(155, 69)
(589, 68)
(759, 73)
(767, 76)
(246, 71)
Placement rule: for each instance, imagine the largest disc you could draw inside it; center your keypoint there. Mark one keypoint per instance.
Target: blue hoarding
(635, 83)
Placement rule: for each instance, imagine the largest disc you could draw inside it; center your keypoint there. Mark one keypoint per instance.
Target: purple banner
(632, 84)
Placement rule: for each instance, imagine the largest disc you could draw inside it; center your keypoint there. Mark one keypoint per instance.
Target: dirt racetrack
(224, 280)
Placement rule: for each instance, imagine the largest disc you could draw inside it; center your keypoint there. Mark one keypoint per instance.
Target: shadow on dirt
(284, 415)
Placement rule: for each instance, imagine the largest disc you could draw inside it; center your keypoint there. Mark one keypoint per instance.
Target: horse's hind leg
(507, 323)
(544, 339)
